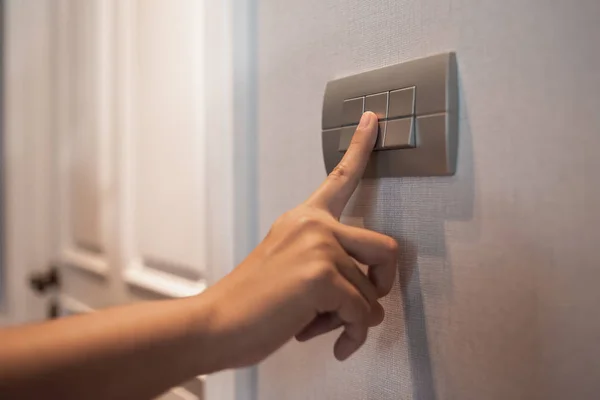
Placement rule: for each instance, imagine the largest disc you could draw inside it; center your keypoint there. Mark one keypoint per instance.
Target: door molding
(135, 270)
(27, 148)
(231, 85)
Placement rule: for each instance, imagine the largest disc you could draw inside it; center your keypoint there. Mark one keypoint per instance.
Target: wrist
(203, 335)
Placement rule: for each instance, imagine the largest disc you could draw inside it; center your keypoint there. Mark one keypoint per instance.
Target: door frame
(231, 86)
(27, 150)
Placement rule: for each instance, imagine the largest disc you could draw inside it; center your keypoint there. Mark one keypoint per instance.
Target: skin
(301, 281)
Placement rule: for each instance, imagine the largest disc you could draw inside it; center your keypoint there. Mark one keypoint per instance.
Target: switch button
(402, 103)
(399, 134)
(353, 110)
(346, 134)
(377, 103)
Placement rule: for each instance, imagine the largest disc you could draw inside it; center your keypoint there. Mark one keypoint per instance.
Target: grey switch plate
(435, 117)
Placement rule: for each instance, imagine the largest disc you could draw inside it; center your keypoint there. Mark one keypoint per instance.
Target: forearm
(132, 352)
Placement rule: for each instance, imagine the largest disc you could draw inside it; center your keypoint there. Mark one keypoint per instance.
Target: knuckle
(321, 283)
(320, 276)
(307, 220)
(282, 220)
(325, 272)
(340, 172)
(300, 219)
(392, 246)
(325, 247)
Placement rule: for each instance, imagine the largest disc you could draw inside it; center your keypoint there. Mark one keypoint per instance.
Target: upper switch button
(377, 103)
(353, 110)
(402, 103)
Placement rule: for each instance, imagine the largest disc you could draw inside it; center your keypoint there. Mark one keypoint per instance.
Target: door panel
(133, 184)
(132, 169)
(167, 159)
(87, 160)
(163, 171)
(82, 106)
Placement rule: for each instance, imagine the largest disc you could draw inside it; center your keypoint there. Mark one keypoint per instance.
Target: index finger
(334, 193)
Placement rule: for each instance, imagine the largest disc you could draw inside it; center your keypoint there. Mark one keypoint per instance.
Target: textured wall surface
(498, 294)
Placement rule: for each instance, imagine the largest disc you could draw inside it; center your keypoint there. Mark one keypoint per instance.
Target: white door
(131, 165)
(119, 154)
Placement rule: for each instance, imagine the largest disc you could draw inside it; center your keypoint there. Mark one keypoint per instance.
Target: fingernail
(365, 120)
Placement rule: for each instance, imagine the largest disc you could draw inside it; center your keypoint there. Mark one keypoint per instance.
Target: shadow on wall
(414, 211)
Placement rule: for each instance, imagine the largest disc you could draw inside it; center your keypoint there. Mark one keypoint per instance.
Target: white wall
(498, 296)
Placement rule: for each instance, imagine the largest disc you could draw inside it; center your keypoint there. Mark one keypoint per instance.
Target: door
(111, 156)
(131, 165)
(131, 171)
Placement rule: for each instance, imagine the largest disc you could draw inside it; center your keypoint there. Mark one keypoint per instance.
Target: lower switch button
(400, 134)
(347, 132)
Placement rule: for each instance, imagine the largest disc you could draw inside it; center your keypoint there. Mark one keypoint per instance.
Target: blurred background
(112, 137)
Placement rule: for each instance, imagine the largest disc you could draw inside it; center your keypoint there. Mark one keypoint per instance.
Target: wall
(497, 296)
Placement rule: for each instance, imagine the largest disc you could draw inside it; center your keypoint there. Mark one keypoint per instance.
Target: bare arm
(135, 351)
(301, 281)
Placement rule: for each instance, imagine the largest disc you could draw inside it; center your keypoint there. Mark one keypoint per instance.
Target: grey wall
(498, 295)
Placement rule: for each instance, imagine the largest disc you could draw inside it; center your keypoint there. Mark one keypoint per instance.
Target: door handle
(41, 282)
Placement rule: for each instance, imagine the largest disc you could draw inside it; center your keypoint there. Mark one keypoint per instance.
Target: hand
(303, 280)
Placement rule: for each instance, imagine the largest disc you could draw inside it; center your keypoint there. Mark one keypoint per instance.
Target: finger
(354, 312)
(334, 193)
(326, 323)
(353, 337)
(322, 324)
(378, 251)
(348, 268)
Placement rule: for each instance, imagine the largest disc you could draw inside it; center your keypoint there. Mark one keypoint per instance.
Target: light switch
(353, 110)
(402, 103)
(416, 103)
(377, 103)
(399, 134)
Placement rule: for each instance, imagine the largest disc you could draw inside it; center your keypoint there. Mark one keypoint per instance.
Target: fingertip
(383, 277)
(368, 120)
(377, 315)
(302, 337)
(369, 125)
(343, 348)
(346, 345)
